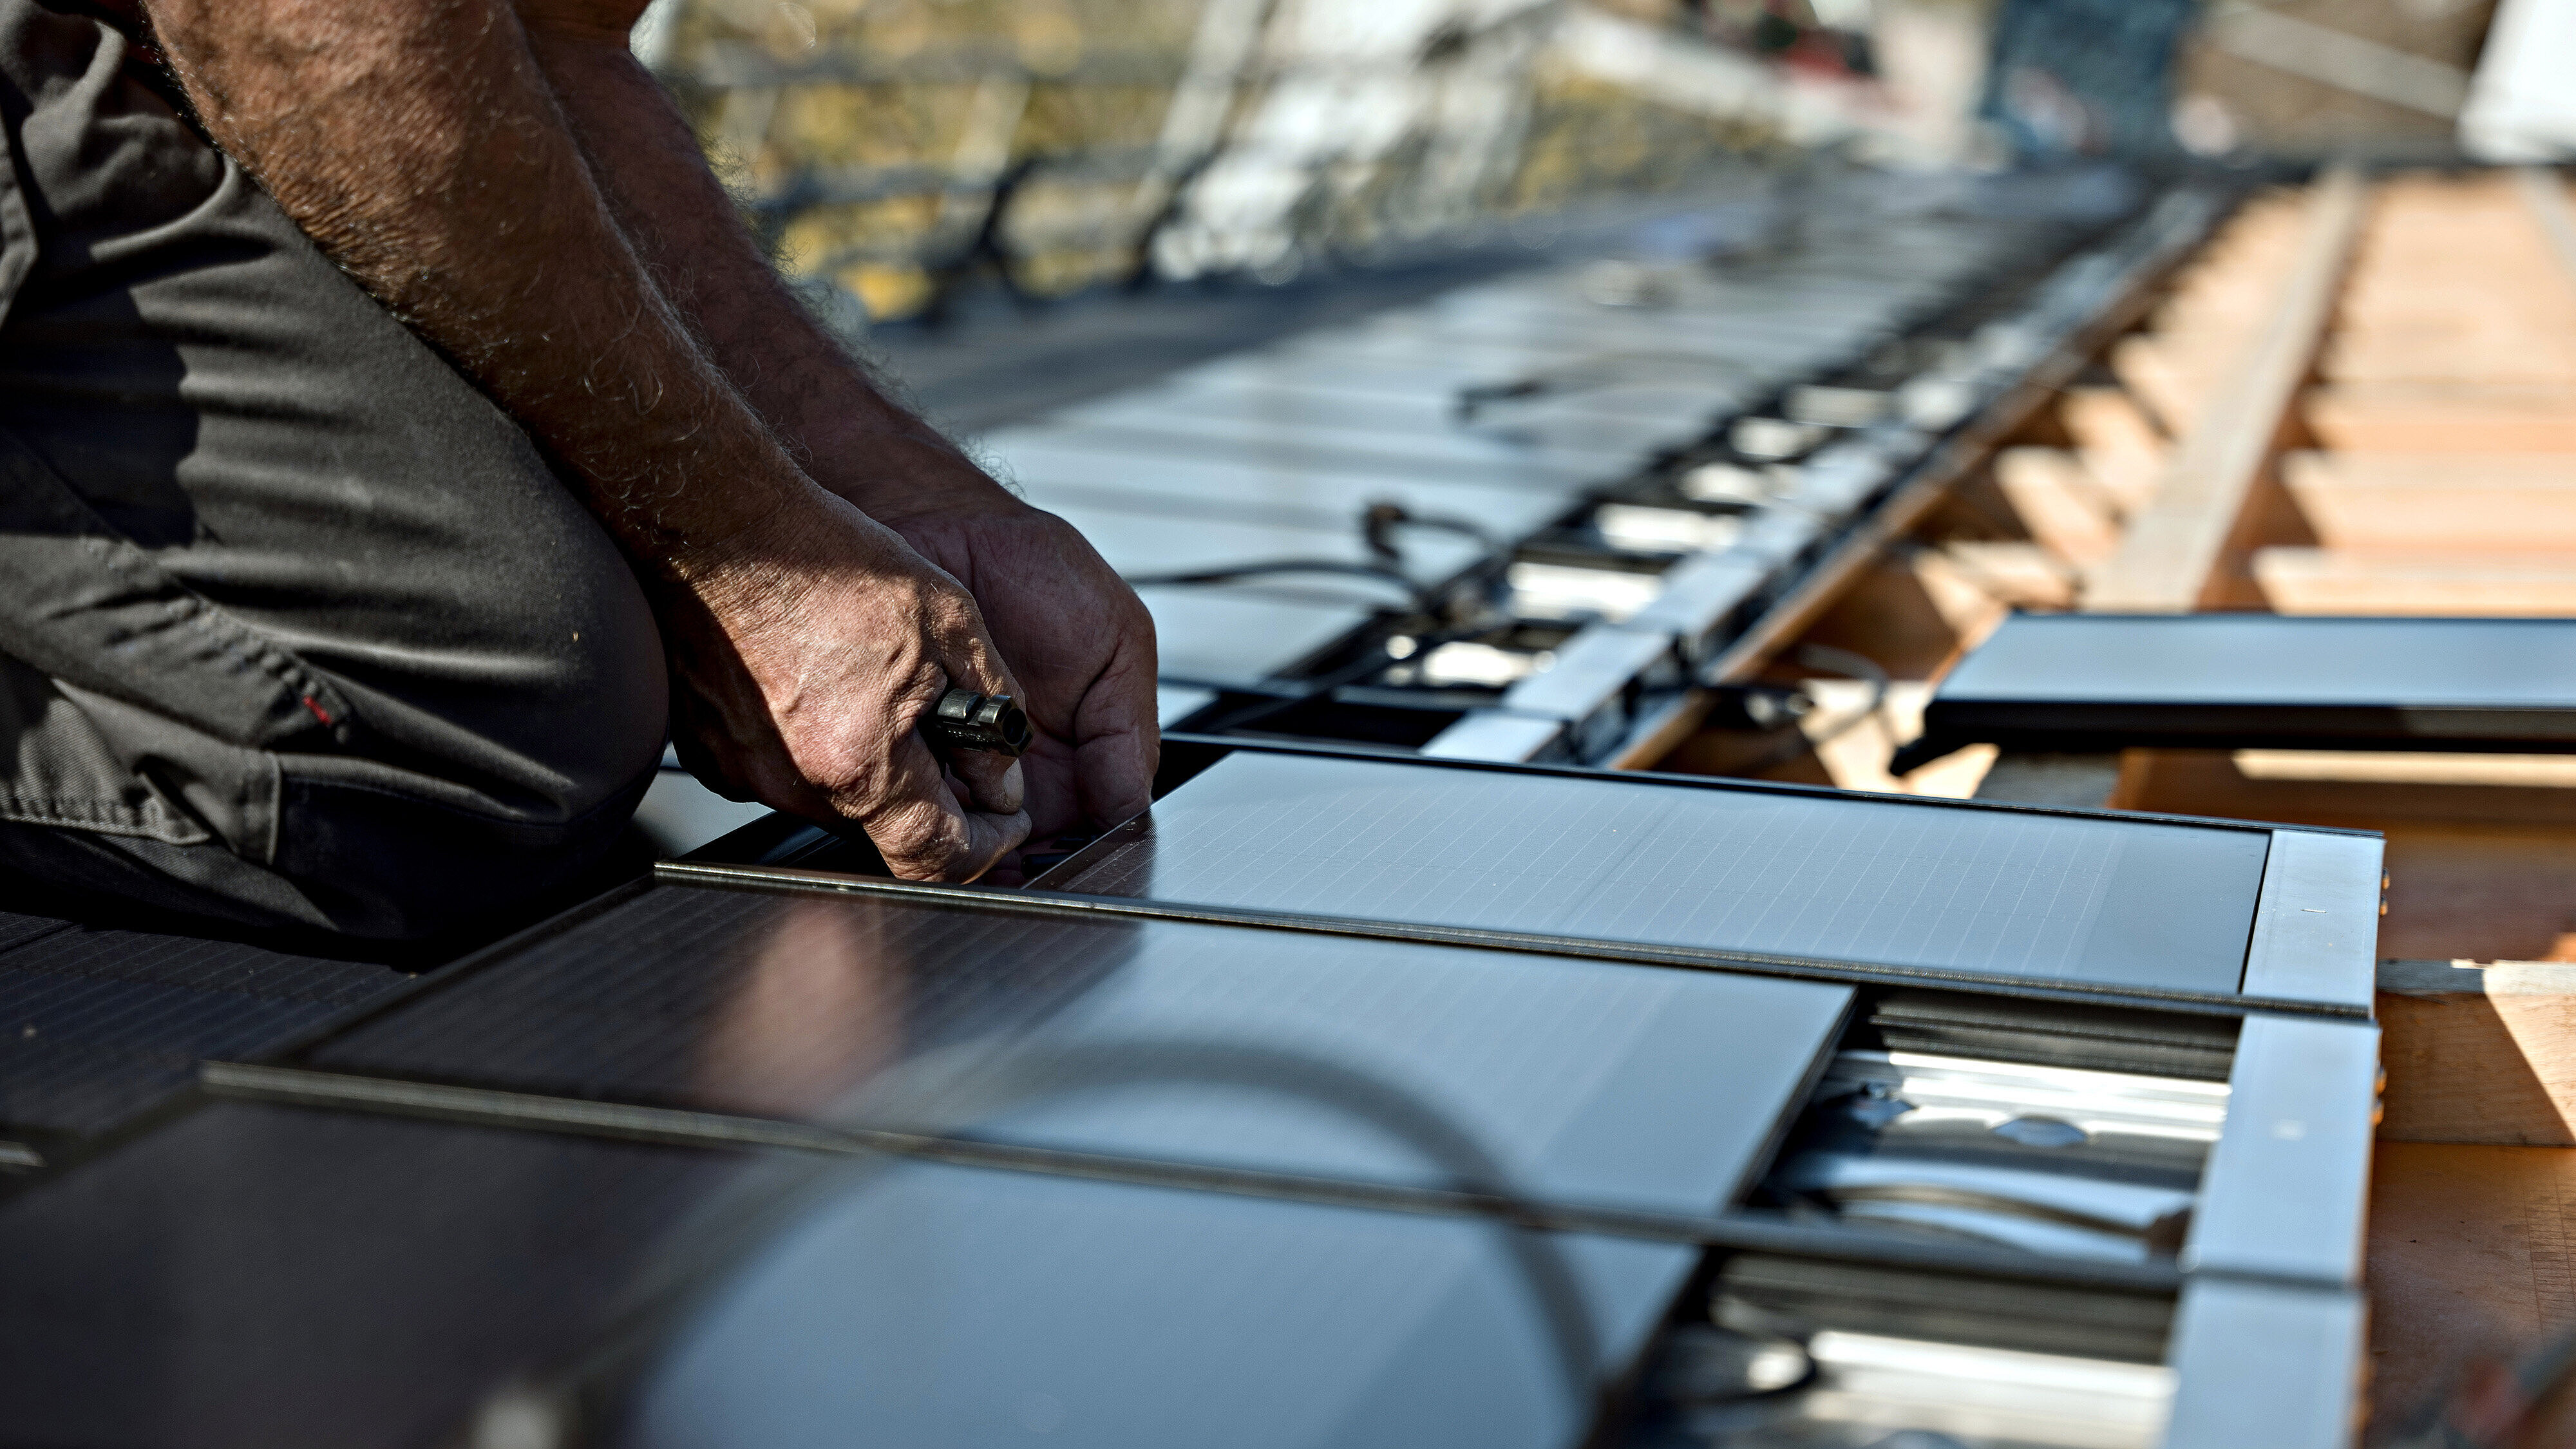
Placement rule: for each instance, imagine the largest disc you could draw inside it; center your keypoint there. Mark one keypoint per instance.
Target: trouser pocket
(132, 704)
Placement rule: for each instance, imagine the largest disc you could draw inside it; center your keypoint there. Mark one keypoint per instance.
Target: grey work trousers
(297, 629)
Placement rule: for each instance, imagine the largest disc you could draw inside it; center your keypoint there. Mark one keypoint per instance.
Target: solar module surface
(99, 1025)
(274, 1278)
(1401, 430)
(1271, 1050)
(17, 930)
(2268, 659)
(1996, 892)
(937, 1306)
(1219, 463)
(354, 1257)
(2088, 682)
(1145, 539)
(1206, 635)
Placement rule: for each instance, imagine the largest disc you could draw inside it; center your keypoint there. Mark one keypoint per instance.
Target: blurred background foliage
(895, 152)
(889, 149)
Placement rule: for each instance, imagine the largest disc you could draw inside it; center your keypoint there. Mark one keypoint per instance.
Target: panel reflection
(948, 1307)
(916, 1302)
(1844, 878)
(1382, 1061)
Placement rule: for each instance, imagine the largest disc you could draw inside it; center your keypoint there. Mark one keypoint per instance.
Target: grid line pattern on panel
(1546, 861)
(17, 930)
(98, 1025)
(637, 1000)
(2012, 892)
(200, 965)
(626, 1005)
(1176, 1040)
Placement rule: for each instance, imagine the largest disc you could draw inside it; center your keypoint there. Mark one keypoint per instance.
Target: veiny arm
(420, 146)
(1075, 635)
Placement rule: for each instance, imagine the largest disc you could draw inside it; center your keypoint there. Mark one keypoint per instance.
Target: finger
(966, 649)
(920, 828)
(1003, 793)
(1119, 748)
(933, 840)
(994, 780)
(991, 838)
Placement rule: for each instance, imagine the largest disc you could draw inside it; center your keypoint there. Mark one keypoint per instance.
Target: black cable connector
(1380, 520)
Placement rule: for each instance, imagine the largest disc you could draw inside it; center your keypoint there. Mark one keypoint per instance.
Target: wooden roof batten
(2174, 558)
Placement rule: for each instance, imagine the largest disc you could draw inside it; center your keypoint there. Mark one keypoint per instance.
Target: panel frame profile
(2270, 1338)
(2299, 1113)
(2293, 962)
(2236, 702)
(2275, 1364)
(2316, 921)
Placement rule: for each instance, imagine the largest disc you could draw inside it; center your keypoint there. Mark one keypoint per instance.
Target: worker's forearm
(847, 435)
(417, 143)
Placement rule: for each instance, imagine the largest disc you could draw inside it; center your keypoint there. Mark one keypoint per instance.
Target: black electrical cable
(1379, 521)
(1422, 598)
(1850, 666)
(1831, 661)
(1377, 524)
(1581, 375)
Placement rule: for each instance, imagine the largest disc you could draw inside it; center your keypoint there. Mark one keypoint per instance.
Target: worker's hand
(1078, 638)
(803, 653)
(1075, 634)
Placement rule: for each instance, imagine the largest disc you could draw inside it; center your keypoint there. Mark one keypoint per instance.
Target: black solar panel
(2054, 897)
(735, 1000)
(1275, 1050)
(97, 1025)
(195, 964)
(269, 1277)
(2099, 682)
(17, 930)
(943, 1307)
(355, 1259)
(277, 1278)
(2291, 661)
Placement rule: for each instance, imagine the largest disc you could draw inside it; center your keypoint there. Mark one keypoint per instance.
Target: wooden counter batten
(2173, 557)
